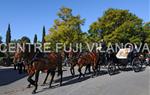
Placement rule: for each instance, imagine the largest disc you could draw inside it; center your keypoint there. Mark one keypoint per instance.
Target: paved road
(124, 83)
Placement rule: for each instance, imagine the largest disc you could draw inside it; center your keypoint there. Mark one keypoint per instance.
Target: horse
(54, 61)
(18, 63)
(72, 61)
(25, 58)
(88, 59)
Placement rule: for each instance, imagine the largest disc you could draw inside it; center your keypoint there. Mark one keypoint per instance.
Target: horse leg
(80, 72)
(72, 70)
(24, 68)
(19, 68)
(31, 82)
(87, 68)
(46, 76)
(36, 82)
(21, 65)
(98, 67)
(61, 76)
(52, 78)
(15, 67)
(94, 70)
(29, 85)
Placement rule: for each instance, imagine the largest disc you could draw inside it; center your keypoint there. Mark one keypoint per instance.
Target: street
(123, 83)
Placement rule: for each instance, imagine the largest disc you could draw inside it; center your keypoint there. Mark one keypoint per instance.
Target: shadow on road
(69, 80)
(9, 75)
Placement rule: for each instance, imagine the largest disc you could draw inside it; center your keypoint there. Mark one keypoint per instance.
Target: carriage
(125, 58)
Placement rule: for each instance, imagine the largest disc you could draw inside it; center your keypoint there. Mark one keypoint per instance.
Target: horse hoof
(92, 76)
(60, 84)
(44, 84)
(50, 87)
(34, 92)
(28, 86)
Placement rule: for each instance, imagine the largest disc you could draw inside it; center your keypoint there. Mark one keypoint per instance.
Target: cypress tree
(43, 35)
(8, 35)
(0, 39)
(35, 38)
(8, 40)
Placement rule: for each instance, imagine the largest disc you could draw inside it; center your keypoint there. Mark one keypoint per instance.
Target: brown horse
(26, 58)
(90, 58)
(73, 61)
(53, 62)
(18, 62)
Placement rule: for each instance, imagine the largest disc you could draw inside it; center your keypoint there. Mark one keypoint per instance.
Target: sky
(27, 17)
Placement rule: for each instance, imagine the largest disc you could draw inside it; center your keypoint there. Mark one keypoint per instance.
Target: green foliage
(35, 38)
(117, 25)
(8, 35)
(16, 41)
(43, 35)
(66, 29)
(25, 39)
(146, 29)
(0, 39)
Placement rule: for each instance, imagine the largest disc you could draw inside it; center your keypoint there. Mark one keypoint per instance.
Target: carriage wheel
(136, 64)
(111, 68)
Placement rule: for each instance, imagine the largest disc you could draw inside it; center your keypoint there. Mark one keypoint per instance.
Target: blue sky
(27, 17)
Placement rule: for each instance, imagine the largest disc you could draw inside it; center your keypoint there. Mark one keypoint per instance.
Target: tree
(146, 29)
(35, 38)
(8, 40)
(25, 39)
(43, 35)
(0, 39)
(117, 25)
(66, 29)
(16, 41)
(1, 54)
(8, 35)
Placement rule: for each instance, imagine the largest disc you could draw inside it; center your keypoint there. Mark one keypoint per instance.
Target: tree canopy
(117, 25)
(146, 29)
(25, 39)
(114, 26)
(66, 28)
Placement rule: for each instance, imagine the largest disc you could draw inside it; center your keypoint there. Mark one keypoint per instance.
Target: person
(132, 53)
(103, 52)
(103, 45)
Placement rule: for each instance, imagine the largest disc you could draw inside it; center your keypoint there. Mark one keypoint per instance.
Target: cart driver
(103, 51)
(132, 53)
(103, 45)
